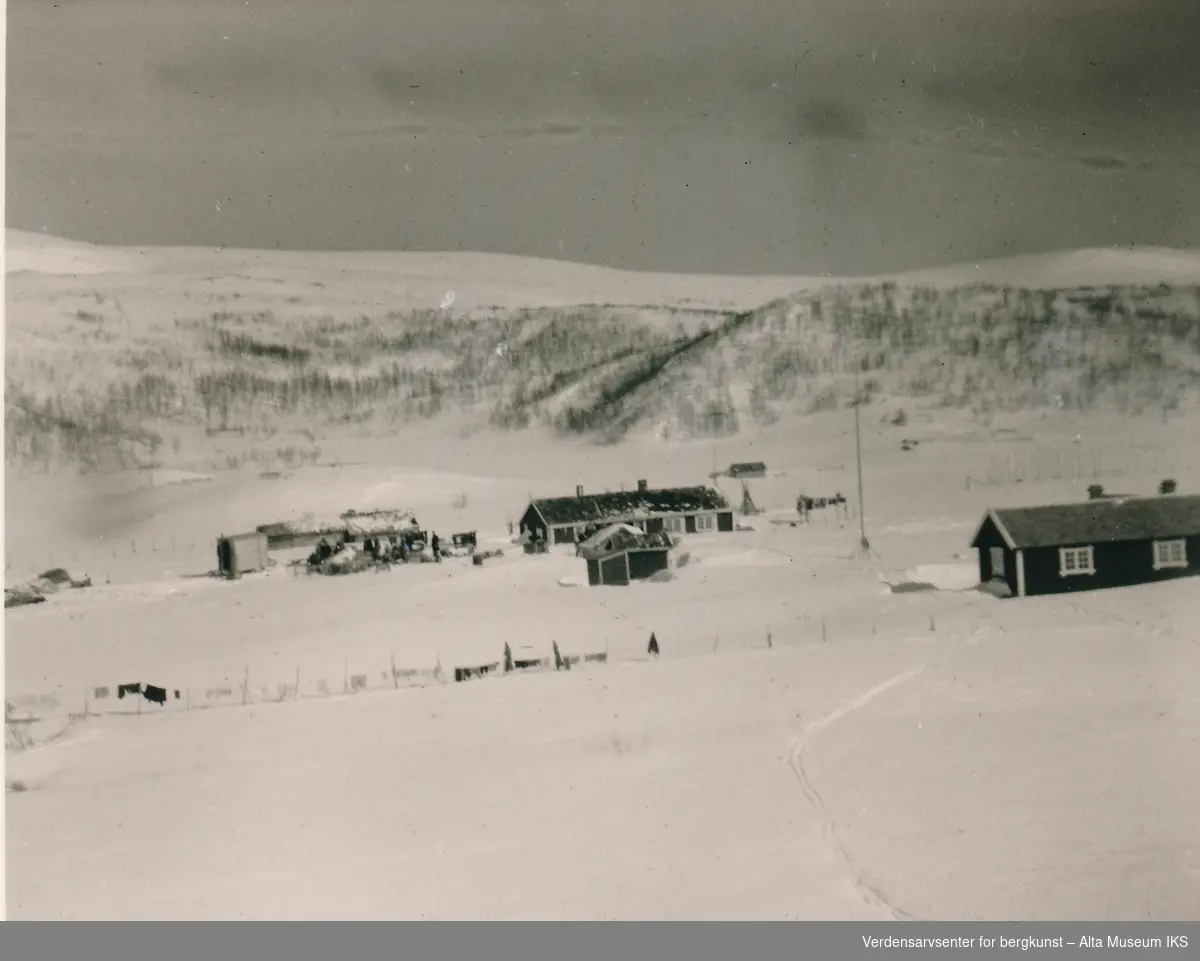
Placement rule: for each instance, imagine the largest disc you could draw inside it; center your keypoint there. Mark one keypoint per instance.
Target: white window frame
(675, 525)
(1082, 561)
(1163, 551)
(706, 523)
(999, 572)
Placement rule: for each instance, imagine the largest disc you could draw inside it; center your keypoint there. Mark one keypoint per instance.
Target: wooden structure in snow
(239, 554)
(349, 526)
(621, 553)
(568, 520)
(1103, 542)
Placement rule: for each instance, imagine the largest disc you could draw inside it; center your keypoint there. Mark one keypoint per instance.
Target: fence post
(824, 634)
(296, 692)
(346, 676)
(395, 680)
(246, 686)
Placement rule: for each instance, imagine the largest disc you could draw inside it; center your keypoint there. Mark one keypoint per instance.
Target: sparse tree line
(602, 371)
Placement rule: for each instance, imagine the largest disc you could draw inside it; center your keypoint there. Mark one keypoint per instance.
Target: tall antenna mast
(864, 545)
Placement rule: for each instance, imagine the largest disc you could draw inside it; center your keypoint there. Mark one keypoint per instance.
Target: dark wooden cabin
(1099, 543)
(627, 565)
(621, 553)
(679, 510)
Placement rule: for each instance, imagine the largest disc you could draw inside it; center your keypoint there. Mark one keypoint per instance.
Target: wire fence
(964, 616)
(35, 718)
(114, 561)
(1041, 464)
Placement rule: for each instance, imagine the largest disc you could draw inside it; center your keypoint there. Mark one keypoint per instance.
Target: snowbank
(936, 577)
(166, 476)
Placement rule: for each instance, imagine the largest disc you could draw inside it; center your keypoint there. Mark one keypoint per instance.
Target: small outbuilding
(621, 553)
(751, 469)
(239, 554)
(1104, 542)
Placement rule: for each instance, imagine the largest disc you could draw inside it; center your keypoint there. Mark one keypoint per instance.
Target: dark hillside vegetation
(110, 397)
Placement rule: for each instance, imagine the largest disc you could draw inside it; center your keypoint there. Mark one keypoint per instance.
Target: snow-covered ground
(937, 754)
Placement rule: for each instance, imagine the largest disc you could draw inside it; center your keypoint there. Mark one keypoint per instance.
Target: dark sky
(759, 136)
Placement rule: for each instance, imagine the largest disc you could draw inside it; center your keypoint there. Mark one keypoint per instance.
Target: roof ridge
(1106, 499)
(1121, 519)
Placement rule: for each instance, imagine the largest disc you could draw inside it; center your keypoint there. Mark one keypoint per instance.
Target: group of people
(805, 505)
(383, 549)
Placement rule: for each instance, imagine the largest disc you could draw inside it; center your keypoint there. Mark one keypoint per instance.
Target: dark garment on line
(156, 694)
(124, 689)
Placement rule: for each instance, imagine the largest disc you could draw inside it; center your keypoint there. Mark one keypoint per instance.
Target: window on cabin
(1076, 560)
(675, 525)
(705, 522)
(997, 554)
(1170, 554)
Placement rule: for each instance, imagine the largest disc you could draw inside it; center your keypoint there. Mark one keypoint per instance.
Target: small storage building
(240, 553)
(752, 469)
(1105, 542)
(621, 553)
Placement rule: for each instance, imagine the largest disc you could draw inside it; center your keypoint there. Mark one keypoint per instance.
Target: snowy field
(809, 744)
(930, 754)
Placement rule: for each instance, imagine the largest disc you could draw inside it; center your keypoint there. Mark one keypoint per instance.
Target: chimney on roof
(1166, 487)
(643, 486)
(578, 490)
(1095, 491)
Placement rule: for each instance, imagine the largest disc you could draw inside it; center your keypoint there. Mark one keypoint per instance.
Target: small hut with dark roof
(621, 553)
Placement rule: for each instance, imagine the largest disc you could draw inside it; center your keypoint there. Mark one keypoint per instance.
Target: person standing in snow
(653, 648)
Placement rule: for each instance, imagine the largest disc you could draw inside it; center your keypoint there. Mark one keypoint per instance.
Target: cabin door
(225, 558)
(997, 556)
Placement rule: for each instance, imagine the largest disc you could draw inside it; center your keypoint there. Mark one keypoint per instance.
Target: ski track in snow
(795, 760)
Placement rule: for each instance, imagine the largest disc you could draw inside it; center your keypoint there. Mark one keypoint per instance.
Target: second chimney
(578, 490)
(643, 486)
